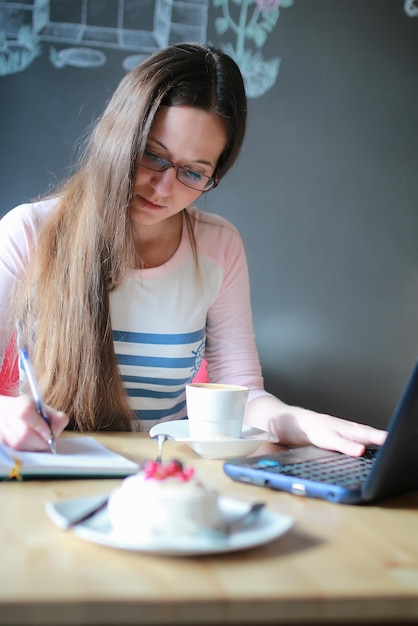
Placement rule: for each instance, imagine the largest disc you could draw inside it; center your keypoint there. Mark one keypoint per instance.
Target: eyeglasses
(188, 177)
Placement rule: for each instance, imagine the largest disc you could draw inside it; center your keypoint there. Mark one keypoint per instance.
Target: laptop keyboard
(345, 471)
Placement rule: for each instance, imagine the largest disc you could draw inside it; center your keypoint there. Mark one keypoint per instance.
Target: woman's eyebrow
(164, 147)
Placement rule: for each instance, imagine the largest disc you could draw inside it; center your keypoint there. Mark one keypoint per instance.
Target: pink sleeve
(231, 349)
(17, 235)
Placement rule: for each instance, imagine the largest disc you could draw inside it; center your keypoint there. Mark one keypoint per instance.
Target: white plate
(250, 440)
(265, 528)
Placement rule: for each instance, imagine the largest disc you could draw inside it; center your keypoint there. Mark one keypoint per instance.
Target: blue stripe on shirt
(158, 339)
(147, 380)
(140, 392)
(145, 414)
(155, 361)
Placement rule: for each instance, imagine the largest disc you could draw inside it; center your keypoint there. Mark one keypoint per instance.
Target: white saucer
(266, 527)
(250, 440)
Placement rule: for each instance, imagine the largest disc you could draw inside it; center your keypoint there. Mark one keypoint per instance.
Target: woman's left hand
(295, 426)
(334, 433)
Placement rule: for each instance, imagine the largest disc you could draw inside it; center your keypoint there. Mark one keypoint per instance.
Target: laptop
(380, 473)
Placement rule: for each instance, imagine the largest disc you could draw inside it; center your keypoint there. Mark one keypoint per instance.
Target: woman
(121, 285)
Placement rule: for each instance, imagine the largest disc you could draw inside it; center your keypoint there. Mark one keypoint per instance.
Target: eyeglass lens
(188, 177)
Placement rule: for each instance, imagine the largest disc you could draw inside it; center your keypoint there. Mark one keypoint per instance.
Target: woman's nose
(163, 181)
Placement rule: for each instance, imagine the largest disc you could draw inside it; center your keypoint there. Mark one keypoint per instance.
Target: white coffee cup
(215, 410)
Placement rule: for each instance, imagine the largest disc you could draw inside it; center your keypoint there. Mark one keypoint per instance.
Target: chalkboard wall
(325, 192)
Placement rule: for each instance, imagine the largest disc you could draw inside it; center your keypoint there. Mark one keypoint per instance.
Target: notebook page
(73, 453)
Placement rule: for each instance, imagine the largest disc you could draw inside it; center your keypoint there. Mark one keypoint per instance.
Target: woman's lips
(150, 204)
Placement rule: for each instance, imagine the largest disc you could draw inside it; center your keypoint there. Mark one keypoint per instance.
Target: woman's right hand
(21, 426)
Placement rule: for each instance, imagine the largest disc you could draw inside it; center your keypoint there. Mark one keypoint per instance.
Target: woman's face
(186, 137)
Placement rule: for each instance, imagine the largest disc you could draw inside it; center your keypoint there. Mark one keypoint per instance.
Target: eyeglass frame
(179, 168)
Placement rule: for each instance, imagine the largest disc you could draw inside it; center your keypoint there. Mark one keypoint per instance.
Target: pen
(27, 365)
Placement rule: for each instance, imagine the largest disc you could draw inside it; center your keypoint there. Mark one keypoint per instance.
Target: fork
(230, 526)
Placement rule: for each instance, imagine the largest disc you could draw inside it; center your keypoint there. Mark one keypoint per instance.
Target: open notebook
(78, 457)
(310, 471)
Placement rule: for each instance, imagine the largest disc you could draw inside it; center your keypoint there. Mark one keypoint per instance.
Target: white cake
(162, 501)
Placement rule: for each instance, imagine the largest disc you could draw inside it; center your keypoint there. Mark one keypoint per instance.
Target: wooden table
(338, 563)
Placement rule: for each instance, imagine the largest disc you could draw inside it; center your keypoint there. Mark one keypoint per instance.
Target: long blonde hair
(85, 246)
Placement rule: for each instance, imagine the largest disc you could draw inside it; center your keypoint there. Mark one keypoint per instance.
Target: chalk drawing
(83, 29)
(17, 53)
(411, 8)
(251, 21)
(81, 32)
(89, 27)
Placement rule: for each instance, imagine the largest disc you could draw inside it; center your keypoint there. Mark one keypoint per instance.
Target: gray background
(325, 194)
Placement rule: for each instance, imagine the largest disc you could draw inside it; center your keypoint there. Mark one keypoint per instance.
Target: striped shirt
(165, 319)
